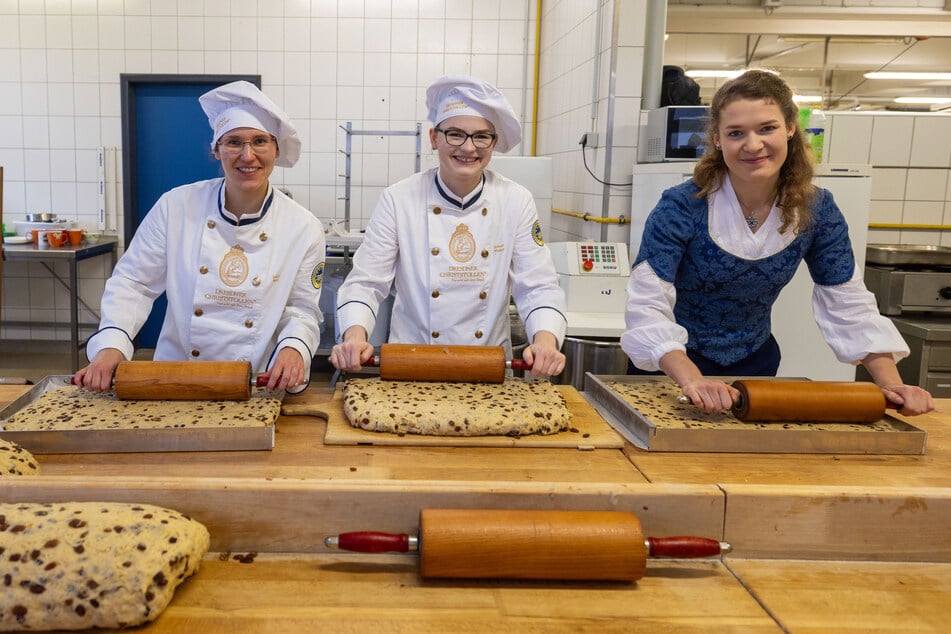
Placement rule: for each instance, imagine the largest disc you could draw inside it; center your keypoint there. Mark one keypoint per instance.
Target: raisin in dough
(15, 460)
(79, 565)
(515, 407)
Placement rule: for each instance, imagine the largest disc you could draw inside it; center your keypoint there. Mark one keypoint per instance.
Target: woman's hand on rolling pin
(707, 394)
(911, 399)
(286, 372)
(97, 376)
(544, 355)
(710, 395)
(353, 351)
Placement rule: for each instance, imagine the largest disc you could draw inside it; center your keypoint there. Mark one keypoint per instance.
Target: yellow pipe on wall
(538, 39)
(589, 218)
(889, 225)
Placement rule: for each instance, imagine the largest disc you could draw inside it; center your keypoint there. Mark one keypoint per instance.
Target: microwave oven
(675, 133)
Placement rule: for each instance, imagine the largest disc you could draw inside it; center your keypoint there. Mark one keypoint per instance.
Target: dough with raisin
(516, 407)
(15, 460)
(70, 407)
(80, 565)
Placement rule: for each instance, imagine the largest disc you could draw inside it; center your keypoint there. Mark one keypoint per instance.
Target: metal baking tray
(907, 255)
(129, 440)
(888, 436)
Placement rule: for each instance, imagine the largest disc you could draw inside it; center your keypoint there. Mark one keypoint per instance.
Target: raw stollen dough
(70, 407)
(79, 565)
(15, 460)
(516, 407)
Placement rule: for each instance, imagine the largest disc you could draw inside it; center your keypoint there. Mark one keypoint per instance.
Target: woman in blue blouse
(718, 249)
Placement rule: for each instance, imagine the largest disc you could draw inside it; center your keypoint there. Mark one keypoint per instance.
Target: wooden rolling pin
(418, 362)
(507, 544)
(809, 401)
(185, 380)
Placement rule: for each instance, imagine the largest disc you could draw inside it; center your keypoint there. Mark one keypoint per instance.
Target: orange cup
(76, 236)
(57, 238)
(34, 236)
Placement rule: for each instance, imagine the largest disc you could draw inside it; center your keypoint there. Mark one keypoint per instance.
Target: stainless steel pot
(44, 217)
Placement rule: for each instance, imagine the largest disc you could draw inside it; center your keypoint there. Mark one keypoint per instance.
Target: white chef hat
(461, 95)
(241, 105)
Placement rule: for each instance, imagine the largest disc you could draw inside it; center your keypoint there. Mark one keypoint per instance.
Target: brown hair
(795, 190)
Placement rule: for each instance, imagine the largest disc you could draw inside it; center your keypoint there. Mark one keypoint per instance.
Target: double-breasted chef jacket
(454, 266)
(237, 290)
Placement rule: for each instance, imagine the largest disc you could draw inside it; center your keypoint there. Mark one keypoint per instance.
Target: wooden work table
(821, 542)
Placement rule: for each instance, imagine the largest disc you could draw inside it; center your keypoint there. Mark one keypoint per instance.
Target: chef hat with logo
(241, 104)
(461, 95)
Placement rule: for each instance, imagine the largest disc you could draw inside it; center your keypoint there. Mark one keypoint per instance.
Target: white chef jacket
(455, 265)
(237, 290)
(847, 314)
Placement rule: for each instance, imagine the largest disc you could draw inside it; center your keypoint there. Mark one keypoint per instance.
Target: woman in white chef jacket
(456, 242)
(241, 263)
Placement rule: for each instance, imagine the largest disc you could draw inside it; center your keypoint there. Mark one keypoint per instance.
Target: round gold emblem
(537, 234)
(233, 269)
(462, 245)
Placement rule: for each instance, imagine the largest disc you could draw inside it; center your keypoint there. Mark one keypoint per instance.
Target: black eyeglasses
(481, 140)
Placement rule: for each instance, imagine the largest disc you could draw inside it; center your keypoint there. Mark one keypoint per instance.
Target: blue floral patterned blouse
(724, 301)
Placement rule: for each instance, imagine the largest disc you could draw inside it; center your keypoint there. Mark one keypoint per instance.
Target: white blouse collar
(729, 230)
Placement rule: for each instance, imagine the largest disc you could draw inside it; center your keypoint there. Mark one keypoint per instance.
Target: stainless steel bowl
(44, 217)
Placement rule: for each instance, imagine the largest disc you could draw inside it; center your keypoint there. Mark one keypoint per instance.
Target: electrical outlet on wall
(589, 139)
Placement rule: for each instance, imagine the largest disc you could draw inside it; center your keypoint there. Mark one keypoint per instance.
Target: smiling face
(461, 166)
(753, 137)
(247, 157)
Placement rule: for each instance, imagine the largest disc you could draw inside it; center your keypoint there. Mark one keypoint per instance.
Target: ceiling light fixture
(923, 100)
(807, 98)
(714, 74)
(919, 76)
(723, 74)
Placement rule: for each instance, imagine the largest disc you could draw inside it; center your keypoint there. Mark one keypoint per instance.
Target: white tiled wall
(910, 154)
(572, 103)
(325, 61)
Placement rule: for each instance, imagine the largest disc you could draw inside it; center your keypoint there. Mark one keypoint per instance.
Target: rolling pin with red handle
(769, 400)
(185, 380)
(418, 362)
(506, 544)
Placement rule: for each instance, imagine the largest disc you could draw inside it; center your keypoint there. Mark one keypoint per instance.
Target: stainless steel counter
(71, 255)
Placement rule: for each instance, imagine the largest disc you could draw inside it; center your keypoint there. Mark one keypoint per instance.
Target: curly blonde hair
(795, 189)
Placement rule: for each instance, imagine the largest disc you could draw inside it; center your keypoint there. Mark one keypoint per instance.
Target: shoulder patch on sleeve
(317, 276)
(537, 234)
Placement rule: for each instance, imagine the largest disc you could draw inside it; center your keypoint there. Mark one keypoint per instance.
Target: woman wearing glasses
(240, 262)
(457, 242)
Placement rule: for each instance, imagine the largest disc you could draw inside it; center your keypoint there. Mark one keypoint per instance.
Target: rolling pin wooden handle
(685, 547)
(373, 542)
(518, 364)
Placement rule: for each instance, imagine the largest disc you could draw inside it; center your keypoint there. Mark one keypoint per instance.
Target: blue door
(171, 147)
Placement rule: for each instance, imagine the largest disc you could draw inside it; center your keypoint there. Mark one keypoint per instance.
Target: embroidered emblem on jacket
(462, 244)
(537, 234)
(233, 269)
(317, 276)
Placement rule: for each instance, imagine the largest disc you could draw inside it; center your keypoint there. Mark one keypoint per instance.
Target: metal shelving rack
(348, 150)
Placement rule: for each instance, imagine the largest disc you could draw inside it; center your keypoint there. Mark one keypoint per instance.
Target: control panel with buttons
(591, 258)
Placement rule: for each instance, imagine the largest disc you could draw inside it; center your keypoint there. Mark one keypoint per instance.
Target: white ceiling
(821, 47)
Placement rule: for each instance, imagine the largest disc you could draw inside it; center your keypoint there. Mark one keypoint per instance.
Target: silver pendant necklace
(751, 221)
